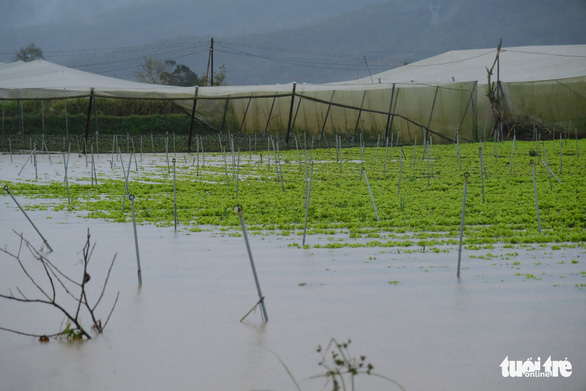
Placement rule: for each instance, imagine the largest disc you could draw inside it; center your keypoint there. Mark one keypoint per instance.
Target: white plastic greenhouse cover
(517, 64)
(543, 84)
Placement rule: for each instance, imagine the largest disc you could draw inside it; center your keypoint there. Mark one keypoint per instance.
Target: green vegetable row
(426, 210)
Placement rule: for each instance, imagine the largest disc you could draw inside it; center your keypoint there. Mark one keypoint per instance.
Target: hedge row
(76, 124)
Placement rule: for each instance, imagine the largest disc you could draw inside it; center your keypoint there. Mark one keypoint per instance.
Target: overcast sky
(17, 13)
(27, 12)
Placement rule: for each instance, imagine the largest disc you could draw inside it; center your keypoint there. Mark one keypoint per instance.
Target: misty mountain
(278, 41)
(74, 24)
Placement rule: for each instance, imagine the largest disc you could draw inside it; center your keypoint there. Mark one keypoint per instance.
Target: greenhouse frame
(464, 93)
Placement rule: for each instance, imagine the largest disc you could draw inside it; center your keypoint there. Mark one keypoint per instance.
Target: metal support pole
(175, 194)
(260, 296)
(414, 150)
(359, 115)
(323, 128)
(6, 189)
(431, 151)
(482, 172)
(513, 151)
(244, 116)
(390, 115)
(25, 163)
(291, 113)
(203, 156)
(466, 175)
(400, 169)
(226, 166)
(552, 173)
(561, 154)
(386, 153)
(371, 197)
(126, 177)
(131, 198)
(65, 164)
(546, 165)
(307, 197)
(268, 119)
(238, 173)
(536, 202)
(87, 121)
(191, 123)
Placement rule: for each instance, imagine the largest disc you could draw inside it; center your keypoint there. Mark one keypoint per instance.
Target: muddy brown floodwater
(403, 308)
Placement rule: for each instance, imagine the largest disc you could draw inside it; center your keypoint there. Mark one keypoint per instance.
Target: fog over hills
(131, 22)
(279, 41)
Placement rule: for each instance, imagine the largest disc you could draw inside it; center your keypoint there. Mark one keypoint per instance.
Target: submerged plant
(341, 368)
(60, 283)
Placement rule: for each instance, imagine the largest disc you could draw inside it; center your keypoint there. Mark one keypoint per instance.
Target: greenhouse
(469, 93)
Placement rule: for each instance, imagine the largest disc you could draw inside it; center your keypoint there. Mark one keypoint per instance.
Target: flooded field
(402, 307)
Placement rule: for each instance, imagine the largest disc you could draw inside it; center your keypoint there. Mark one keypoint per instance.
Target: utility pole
(211, 63)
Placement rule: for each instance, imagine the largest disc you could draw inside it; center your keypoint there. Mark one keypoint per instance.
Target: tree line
(152, 70)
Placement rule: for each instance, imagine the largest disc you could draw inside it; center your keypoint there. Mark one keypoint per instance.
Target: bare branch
(112, 310)
(31, 335)
(105, 283)
(74, 329)
(22, 294)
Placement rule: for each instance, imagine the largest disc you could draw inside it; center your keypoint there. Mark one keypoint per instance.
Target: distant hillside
(344, 46)
(86, 25)
(402, 30)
